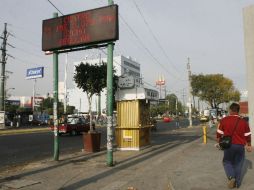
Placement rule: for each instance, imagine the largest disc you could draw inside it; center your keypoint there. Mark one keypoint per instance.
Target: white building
(121, 64)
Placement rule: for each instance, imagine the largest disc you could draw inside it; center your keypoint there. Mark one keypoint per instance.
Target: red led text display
(80, 29)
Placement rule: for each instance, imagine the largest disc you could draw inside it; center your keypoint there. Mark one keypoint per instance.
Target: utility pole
(183, 98)
(55, 104)
(3, 62)
(177, 116)
(110, 101)
(190, 89)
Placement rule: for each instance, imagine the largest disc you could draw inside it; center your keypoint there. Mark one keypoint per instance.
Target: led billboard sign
(80, 29)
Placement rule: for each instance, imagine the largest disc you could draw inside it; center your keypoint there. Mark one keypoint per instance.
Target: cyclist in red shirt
(234, 156)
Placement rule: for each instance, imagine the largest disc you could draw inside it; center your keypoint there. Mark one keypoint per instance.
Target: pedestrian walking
(236, 127)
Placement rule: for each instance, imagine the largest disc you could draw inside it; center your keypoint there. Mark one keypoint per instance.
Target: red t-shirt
(242, 133)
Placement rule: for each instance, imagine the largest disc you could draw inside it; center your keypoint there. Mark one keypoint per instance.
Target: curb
(23, 131)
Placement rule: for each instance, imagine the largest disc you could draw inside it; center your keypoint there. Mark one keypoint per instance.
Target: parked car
(74, 125)
(167, 119)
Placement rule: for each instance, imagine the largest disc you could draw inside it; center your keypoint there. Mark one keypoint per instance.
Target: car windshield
(76, 120)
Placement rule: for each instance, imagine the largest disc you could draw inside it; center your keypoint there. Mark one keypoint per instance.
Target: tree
(172, 100)
(92, 79)
(214, 89)
(168, 106)
(47, 106)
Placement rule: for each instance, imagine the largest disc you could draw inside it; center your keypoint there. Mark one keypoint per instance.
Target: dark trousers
(233, 161)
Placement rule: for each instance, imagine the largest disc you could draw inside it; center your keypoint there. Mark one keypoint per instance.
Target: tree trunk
(90, 112)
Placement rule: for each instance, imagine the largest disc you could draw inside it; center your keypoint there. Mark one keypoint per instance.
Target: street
(24, 148)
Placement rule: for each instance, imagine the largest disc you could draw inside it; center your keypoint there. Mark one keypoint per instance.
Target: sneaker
(231, 183)
(237, 185)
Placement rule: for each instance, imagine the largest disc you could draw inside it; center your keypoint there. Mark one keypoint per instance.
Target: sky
(160, 35)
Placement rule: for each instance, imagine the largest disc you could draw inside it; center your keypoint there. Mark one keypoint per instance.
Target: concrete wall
(248, 18)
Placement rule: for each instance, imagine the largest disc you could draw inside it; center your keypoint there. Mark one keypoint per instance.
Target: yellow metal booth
(133, 117)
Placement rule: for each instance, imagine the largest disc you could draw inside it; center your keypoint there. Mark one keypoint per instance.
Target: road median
(23, 130)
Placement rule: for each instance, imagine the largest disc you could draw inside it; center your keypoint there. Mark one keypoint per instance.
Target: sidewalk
(182, 162)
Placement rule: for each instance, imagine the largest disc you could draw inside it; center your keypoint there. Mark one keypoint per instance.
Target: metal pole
(110, 101)
(65, 83)
(34, 95)
(55, 106)
(177, 118)
(3, 62)
(176, 107)
(110, 105)
(99, 96)
(190, 89)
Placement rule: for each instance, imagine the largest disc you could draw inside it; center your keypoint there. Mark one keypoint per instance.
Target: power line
(147, 50)
(55, 7)
(153, 35)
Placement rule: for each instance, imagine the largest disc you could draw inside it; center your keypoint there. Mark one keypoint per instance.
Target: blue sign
(35, 73)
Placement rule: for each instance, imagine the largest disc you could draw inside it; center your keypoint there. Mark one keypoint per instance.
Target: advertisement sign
(37, 101)
(126, 82)
(12, 102)
(79, 29)
(35, 73)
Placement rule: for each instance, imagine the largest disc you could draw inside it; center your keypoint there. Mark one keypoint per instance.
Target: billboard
(12, 102)
(79, 29)
(35, 73)
(37, 101)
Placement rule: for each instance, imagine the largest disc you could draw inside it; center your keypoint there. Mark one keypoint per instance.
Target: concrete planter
(92, 141)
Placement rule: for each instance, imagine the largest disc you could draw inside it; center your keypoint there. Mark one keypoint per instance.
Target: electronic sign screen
(80, 29)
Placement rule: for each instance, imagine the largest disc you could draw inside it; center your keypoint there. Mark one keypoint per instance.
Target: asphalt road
(24, 148)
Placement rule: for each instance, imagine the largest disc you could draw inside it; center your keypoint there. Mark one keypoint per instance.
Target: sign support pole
(55, 106)
(110, 101)
(34, 95)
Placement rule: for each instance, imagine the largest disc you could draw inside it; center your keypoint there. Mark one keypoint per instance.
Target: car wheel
(73, 133)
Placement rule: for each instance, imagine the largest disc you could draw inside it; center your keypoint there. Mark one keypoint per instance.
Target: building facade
(122, 65)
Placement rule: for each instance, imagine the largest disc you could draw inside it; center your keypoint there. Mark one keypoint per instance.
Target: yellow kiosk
(133, 117)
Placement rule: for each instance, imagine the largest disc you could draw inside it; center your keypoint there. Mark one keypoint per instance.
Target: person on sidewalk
(241, 136)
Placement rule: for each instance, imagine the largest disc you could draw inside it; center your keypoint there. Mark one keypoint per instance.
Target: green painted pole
(55, 106)
(110, 105)
(110, 101)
